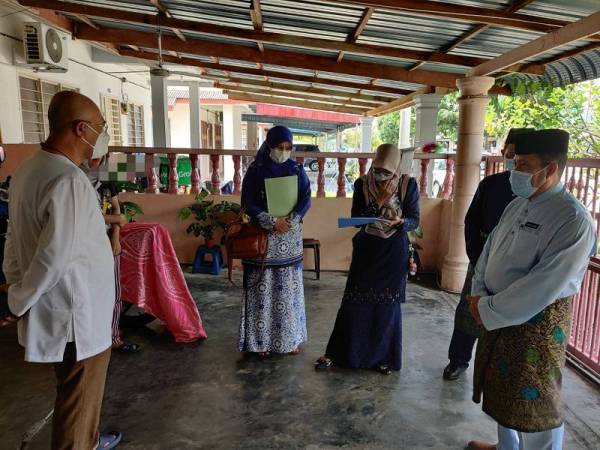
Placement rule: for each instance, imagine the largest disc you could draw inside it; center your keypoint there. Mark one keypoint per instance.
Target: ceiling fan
(159, 70)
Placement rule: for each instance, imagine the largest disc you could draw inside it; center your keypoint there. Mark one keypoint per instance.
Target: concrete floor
(205, 396)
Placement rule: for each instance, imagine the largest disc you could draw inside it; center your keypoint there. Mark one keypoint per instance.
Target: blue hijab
(253, 195)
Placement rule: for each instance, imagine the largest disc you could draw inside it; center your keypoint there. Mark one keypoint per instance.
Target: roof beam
(401, 103)
(474, 31)
(568, 54)
(308, 89)
(574, 31)
(266, 73)
(253, 35)
(87, 21)
(257, 20)
(466, 13)
(296, 95)
(353, 36)
(277, 57)
(295, 92)
(256, 98)
(164, 11)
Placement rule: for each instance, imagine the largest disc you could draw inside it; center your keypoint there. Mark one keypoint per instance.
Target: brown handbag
(244, 239)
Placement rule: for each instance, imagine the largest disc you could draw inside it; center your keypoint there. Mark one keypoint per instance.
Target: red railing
(215, 168)
(584, 342)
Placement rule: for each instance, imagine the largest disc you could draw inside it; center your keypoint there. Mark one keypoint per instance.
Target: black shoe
(384, 369)
(452, 372)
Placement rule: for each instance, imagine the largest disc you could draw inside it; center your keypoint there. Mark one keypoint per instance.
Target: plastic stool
(212, 267)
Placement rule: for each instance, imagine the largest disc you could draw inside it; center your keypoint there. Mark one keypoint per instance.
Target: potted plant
(209, 217)
(130, 210)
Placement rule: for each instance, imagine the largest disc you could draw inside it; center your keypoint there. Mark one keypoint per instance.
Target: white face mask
(280, 156)
(101, 147)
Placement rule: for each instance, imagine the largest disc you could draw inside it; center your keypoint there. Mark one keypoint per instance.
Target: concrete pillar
(472, 104)
(232, 137)
(404, 128)
(426, 110)
(160, 117)
(194, 116)
(366, 131)
(251, 135)
(338, 140)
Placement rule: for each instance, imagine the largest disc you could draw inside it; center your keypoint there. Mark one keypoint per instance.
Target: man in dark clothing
(491, 198)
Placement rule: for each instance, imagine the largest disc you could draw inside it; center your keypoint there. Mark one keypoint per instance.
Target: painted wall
(320, 223)
(90, 82)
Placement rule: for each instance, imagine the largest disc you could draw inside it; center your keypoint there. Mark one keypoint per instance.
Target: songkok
(541, 142)
(510, 138)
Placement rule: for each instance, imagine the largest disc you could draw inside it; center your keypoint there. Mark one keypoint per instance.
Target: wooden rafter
(267, 73)
(574, 31)
(400, 103)
(299, 103)
(297, 91)
(354, 35)
(568, 54)
(277, 57)
(298, 95)
(257, 20)
(477, 29)
(87, 20)
(467, 13)
(253, 35)
(164, 11)
(311, 89)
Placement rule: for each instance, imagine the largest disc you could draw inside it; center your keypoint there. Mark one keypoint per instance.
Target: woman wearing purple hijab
(273, 318)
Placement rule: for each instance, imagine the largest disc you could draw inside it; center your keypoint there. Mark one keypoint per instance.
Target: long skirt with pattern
(273, 317)
(518, 370)
(368, 327)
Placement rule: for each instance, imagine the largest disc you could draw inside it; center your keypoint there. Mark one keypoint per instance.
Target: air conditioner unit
(46, 48)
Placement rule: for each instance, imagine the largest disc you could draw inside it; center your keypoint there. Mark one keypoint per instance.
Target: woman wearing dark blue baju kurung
(368, 328)
(273, 317)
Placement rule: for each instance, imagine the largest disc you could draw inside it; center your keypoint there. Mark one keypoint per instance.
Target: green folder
(282, 195)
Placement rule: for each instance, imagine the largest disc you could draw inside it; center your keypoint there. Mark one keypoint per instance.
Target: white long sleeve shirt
(537, 254)
(58, 261)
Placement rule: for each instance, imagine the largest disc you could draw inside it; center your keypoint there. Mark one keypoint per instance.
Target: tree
(448, 117)
(388, 127)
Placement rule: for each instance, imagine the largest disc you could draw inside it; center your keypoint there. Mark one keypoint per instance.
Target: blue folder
(345, 222)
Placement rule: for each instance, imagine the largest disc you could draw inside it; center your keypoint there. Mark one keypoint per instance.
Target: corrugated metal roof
(393, 28)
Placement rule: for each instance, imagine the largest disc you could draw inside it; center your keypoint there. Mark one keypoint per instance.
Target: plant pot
(210, 243)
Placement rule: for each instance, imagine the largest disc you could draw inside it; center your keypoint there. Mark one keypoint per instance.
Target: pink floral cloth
(152, 279)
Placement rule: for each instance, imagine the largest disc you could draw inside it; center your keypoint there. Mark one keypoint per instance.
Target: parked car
(311, 163)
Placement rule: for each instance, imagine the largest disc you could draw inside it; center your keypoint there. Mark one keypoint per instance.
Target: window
(112, 114)
(135, 127)
(35, 95)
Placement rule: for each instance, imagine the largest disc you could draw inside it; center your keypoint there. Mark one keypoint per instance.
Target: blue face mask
(509, 164)
(520, 183)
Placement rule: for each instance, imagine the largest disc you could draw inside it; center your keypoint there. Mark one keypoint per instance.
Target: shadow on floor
(204, 395)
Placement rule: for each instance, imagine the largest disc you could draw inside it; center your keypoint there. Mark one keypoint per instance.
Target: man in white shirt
(59, 266)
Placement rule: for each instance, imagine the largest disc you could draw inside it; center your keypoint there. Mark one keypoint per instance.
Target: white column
(366, 131)
(232, 137)
(194, 116)
(471, 118)
(426, 110)
(251, 135)
(160, 117)
(338, 140)
(404, 128)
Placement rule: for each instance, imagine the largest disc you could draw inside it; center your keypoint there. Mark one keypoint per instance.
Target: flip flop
(322, 363)
(109, 440)
(296, 351)
(128, 347)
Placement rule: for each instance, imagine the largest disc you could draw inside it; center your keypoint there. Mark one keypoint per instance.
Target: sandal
(384, 369)
(264, 354)
(296, 351)
(128, 347)
(322, 363)
(109, 440)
